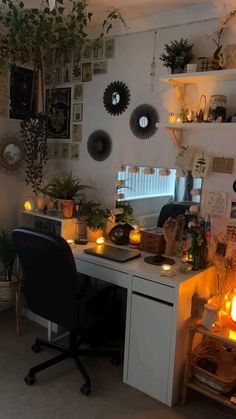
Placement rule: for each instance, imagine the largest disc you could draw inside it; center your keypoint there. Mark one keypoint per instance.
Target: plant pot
(93, 235)
(65, 208)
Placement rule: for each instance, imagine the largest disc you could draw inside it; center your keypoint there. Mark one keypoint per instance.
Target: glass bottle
(194, 253)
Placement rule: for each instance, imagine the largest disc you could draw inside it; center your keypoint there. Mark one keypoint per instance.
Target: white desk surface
(134, 267)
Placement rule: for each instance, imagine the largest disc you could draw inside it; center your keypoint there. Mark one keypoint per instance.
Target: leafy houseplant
(96, 219)
(127, 216)
(7, 253)
(64, 189)
(178, 55)
(33, 132)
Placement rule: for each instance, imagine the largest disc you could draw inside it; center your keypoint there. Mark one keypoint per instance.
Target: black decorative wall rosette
(99, 145)
(116, 97)
(143, 121)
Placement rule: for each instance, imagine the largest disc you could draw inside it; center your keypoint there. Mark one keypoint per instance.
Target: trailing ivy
(33, 132)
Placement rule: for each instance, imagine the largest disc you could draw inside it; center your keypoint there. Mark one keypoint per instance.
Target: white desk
(157, 315)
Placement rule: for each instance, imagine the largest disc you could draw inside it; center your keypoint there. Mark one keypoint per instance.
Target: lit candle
(100, 240)
(172, 118)
(70, 242)
(178, 120)
(30, 204)
(166, 270)
(135, 236)
(233, 310)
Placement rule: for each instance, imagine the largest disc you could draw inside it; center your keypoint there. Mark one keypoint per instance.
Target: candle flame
(233, 309)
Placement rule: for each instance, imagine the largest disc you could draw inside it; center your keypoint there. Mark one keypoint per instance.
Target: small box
(152, 240)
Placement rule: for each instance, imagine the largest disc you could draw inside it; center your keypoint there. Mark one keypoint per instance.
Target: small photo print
(86, 72)
(87, 53)
(233, 210)
(77, 73)
(77, 112)
(74, 151)
(100, 67)
(64, 150)
(78, 92)
(77, 132)
(56, 150)
(110, 48)
(66, 78)
(98, 50)
(77, 56)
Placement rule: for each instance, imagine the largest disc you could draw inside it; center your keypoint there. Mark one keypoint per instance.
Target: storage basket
(7, 291)
(208, 357)
(152, 240)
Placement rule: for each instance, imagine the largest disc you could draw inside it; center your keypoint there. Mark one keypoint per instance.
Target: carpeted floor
(56, 394)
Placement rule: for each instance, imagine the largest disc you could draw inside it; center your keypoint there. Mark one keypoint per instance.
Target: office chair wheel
(86, 389)
(30, 379)
(36, 348)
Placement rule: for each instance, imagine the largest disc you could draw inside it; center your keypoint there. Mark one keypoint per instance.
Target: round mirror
(115, 98)
(143, 122)
(11, 153)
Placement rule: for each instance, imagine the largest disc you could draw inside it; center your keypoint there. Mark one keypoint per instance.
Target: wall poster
(58, 103)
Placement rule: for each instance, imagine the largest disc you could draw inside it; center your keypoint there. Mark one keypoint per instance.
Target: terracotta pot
(65, 208)
(92, 235)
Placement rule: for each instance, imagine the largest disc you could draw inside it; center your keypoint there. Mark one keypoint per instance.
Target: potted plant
(178, 55)
(63, 189)
(7, 259)
(96, 219)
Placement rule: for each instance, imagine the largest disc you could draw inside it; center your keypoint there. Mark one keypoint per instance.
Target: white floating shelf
(200, 77)
(197, 125)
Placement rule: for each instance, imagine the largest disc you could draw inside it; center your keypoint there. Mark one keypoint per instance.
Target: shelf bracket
(173, 137)
(179, 90)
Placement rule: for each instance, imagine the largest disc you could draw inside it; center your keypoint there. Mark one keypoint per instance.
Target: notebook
(113, 253)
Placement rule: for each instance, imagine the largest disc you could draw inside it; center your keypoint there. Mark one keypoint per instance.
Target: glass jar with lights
(135, 237)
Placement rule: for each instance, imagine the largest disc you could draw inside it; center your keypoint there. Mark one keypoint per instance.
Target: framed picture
(86, 72)
(77, 112)
(66, 78)
(98, 50)
(77, 132)
(110, 48)
(87, 53)
(100, 67)
(58, 102)
(78, 92)
(64, 150)
(21, 85)
(74, 151)
(77, 73)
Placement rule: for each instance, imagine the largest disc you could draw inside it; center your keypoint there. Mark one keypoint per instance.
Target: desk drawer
(152, 289)
(106, 274)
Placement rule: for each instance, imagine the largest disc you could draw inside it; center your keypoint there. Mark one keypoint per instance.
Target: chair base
(73, 351)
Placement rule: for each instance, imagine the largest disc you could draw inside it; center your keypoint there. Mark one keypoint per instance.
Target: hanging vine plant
(33, 132)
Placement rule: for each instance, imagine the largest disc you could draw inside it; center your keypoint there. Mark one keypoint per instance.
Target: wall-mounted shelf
(173, 128)
(200, 77)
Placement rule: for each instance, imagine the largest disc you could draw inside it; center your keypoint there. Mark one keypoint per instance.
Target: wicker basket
(152, 240)
(210, 356)
(7, 291)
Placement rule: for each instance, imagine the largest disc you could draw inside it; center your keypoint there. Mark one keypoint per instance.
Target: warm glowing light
(166, 270)
(233, 309)
(135, 236)
(171, 118)
(178, 120)
(100, 240)
(28, 206)
(227, 306)
(232, 334)
(70, 242)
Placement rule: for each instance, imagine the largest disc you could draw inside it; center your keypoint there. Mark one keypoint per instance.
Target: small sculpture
(228, 57)
(170, 229)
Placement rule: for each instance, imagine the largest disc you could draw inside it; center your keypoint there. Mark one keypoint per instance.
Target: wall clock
(116, 98)
(143, 121)
(99, 145)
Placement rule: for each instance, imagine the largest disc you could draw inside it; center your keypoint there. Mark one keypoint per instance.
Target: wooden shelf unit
(200, 77)
(222, 336)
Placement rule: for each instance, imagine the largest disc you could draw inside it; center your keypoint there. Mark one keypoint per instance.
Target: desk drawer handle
(153, 299)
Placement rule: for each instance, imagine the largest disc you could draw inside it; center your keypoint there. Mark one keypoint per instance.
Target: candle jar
(135, 237)
(171, 118)
(167, 270)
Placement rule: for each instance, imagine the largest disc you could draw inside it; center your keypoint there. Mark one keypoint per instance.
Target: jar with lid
(217, 108)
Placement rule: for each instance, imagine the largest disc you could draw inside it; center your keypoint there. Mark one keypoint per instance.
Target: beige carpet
(56, 394)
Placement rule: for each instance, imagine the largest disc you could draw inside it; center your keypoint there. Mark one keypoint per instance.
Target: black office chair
(51, 291)
(172, 210)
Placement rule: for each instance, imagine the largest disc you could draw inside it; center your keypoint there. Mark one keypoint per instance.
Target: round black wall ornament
(143, 121)
(99, 145)
(116, 97)
(234, 186)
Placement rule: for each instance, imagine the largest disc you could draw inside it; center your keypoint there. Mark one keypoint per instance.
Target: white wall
(131, 65)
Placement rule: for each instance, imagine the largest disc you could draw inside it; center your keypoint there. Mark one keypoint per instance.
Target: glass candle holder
(167, 270)
(135, 237)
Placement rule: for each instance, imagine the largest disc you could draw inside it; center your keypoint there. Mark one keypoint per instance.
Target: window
(140, 185)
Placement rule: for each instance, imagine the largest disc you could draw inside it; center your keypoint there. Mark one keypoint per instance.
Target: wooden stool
(10, 292)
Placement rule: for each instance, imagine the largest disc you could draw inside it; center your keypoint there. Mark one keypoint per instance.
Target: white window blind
(141, 185)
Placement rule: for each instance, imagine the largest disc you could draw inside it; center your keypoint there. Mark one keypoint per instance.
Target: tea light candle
(135, 236)
(30, 204)
(171, 118)
(178, 120)
(70, 242)
(166, 270)
(100, 240)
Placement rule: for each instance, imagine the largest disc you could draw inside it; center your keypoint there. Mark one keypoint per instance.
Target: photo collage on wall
(69, 73)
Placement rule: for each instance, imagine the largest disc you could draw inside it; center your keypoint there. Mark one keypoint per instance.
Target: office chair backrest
(49, 272)
(172, 210)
